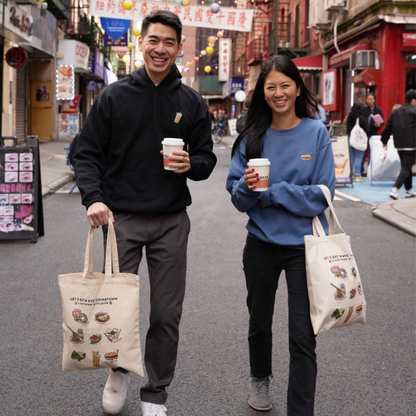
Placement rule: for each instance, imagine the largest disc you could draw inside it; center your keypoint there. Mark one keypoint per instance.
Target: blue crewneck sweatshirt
(301, 158)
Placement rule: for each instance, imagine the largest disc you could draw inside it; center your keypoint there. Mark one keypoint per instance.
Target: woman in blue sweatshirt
(280, 127)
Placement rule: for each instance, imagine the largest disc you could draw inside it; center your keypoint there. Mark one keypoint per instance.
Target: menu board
(65, 82)
(21, 209)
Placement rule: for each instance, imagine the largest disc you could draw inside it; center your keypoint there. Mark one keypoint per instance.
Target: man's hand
(98, 214)
(180, 160)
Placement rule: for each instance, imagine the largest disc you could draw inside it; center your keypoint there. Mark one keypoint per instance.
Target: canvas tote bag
(358, 137)
(101, 314)
(335, 288)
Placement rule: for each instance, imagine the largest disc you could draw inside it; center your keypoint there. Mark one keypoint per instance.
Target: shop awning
(309, 63)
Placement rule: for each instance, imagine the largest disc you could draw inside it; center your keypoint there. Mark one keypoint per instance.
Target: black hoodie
(118, 158)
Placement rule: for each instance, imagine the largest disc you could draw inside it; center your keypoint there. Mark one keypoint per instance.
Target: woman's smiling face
(280, 92)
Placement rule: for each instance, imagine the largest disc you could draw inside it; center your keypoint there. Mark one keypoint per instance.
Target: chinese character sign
(224, 59)
(228, 18)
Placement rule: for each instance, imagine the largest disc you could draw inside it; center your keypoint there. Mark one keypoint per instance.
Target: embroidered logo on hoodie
(178, 117)
(306, 156)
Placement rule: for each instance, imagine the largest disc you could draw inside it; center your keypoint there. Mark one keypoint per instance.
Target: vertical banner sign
(224, 59)
(21, 209)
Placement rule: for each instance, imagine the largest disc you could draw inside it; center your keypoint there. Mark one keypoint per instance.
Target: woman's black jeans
(263, 264)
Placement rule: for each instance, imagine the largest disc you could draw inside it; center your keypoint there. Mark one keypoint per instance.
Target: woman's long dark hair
(259, 116)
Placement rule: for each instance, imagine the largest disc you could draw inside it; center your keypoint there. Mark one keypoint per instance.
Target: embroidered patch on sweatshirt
(306, 156)
(178, 117)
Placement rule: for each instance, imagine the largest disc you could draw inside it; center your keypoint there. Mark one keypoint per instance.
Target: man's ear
(180, 48)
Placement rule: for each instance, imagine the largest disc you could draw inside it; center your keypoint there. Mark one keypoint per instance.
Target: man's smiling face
(160, 49)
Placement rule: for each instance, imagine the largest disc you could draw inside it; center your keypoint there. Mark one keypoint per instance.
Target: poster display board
(68, 126)
(342, 160)
(21, 208)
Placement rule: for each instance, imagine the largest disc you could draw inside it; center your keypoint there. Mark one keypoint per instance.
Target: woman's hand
(250, 178)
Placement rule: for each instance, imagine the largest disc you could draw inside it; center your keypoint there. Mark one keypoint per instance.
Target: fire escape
(272, 32)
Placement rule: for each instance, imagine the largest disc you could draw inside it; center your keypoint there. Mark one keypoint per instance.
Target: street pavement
(362, 370)
(55, 173)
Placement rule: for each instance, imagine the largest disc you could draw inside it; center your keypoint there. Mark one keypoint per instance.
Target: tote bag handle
(318, 229)
(111, 254)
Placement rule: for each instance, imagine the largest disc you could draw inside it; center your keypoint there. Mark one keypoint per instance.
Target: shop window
(410, 71)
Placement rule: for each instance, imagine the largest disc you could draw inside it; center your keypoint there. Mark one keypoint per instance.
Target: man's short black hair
(165, 17)
(409, 96)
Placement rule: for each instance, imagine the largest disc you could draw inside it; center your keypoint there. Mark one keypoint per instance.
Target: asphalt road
(362, 370)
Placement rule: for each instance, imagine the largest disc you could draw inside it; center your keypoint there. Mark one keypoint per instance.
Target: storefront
(381, 60)
(70, 90)
(28, 99)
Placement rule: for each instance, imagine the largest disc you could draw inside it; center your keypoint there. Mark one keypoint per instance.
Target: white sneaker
(115, 392)
(410, 193)
(152, 409)
(394, 194)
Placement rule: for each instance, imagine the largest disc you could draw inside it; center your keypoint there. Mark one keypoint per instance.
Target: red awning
(309, 63)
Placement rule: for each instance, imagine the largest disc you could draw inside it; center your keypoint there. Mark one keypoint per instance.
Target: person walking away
(369, 110)
(279, 127)
(241, 121)
(321, 113)
(212, 118)
(356, 155)
(225, 121)
(120, 173)
(402, 125)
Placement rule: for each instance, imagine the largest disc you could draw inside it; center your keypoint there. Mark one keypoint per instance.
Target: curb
(57, 184)
(401, 225)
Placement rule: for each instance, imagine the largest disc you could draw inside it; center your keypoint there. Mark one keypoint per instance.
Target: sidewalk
(55, 173)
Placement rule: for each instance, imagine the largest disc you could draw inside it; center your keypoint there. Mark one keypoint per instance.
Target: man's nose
(160, 47)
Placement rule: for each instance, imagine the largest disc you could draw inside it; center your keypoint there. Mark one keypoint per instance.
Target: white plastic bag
(358, 137)
(387, 169)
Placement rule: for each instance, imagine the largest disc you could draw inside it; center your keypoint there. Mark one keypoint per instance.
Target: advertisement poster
(68, 126)
(341, 150)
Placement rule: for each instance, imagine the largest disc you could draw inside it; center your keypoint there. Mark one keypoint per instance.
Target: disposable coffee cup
(171, 145)
(262, 167)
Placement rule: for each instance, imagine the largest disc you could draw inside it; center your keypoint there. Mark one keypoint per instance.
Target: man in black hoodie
(119, 171)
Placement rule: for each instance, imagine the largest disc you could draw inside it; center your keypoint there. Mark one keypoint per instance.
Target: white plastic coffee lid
(258, 162)
(172, 141)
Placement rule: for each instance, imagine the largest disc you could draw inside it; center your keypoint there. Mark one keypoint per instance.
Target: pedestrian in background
(120, 173)
(369, 110)
(279, 128)
(402, 125)
(242, 118)
(321, 113)
(225, 121)
(356, 155)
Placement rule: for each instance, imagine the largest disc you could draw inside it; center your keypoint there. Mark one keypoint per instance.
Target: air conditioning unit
(317, 14)
(364, 59)
(333, 5)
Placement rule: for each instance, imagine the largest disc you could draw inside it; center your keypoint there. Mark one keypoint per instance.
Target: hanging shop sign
(16, 57)
(115, 27)
(228, 18)
(65, 82)
(74, 53)
(121, 41)
(224, 55)
(96, 63)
